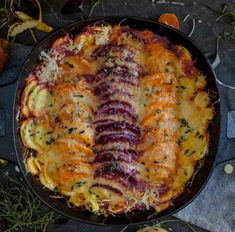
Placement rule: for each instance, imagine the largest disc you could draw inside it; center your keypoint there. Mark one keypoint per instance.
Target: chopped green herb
(181, 139)
(88, 144)
(94, 150)
(200, 136)
(187, 131)
(184, 123)
(69, 64)
(117, 147)
(49, 132)
(81, 132)
(52, 140)
(78, 95)
(114, 166)
(192, 153)
(79, 184)
(70, 130)
(96, 195)
(170, 82)
(129, 197)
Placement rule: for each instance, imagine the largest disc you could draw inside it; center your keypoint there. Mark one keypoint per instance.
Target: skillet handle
(230, 130)
(7, 148)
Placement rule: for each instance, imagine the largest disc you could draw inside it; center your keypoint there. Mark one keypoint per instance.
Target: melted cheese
(173, 109)
(102, 35)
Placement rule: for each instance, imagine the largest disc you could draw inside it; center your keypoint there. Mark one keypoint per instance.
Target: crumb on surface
(228, 168)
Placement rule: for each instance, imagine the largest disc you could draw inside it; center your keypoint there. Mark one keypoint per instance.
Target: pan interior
(200, 178)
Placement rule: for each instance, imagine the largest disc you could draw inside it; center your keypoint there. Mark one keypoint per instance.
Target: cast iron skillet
(9, 100)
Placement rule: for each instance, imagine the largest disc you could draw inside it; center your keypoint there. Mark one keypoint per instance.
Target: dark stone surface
(205, 34)
(230, 125)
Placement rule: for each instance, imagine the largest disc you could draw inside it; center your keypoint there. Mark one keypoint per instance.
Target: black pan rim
(15, 134)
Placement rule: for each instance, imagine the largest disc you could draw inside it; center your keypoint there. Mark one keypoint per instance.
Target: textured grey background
(214, 208)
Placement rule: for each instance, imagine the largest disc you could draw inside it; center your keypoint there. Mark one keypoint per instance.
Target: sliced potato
(50, 174)
(43, 102)
(32, 98)
(33, 165)
(27, 132)
(31, 84)
(44, 136)
(45, 181)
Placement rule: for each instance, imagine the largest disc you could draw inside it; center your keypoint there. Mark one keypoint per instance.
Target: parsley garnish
(70, 130)
(69, 64)
(113, 166)
(49, 132)
(79, 184)
(52, 140)
(184, 123)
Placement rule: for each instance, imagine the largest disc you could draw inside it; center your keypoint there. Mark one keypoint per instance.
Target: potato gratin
(115, 119)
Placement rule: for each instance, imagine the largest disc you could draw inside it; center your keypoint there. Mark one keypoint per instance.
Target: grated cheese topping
(50, 70)
(102, 35)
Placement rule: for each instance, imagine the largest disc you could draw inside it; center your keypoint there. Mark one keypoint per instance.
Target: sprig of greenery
(230, 15)
(228, 35)
(20, 208)
(6, 11)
